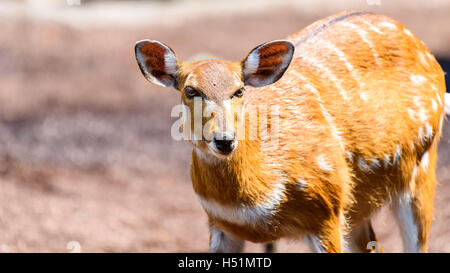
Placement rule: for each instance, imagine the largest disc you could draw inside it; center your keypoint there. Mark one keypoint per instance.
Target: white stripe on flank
(341, 55)
(247, 215)
(388, 25)
(438, 97)
(408, 32)
(422, 58)
(374, 28)
(314, 62)
(377, 30)
(363, 34)
(334, 130)
(417, 79)
(434, 105)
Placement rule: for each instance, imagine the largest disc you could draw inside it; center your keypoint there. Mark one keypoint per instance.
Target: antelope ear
(266, 63)
(158, 62)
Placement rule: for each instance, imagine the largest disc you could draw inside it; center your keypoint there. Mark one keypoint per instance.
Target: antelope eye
(239, 93)
(191, 92)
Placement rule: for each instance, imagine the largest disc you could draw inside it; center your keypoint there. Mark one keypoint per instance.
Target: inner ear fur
(266, 63)
(158, 62)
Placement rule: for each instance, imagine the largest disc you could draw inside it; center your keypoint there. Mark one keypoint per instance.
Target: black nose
(224, 142)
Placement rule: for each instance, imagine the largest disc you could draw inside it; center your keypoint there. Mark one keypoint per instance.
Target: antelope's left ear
(158, 62)
(266, 63)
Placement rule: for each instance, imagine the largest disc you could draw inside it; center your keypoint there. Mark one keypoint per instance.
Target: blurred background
(86, 155)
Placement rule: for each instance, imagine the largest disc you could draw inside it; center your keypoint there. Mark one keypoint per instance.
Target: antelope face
(212, 91)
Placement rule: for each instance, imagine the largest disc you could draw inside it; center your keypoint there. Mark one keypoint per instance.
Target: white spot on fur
(386, 161)
(363, 96)
(328, 74)
(375, 163)
(417, 79)
(422, 58)
(403, 210)
(328, 117)
(425, 160)
(423, 115)
(374, 28)
(324, 164)
(428, 130)
(438, 97)
(362, 164)
(301, 184)
(408, 32)
(420, 135)
(430, 56)
(340, 54)
(434, 105)
(350, 156)
(388, 25)
(412, 114)
(363, 34)
(397, 155)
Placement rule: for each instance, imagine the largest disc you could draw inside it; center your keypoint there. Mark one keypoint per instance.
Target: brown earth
(85, 148)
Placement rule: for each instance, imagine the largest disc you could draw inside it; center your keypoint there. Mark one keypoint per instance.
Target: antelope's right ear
(158, 62)
(266, 63)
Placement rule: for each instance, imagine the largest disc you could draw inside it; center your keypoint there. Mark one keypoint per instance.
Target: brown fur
(392, 115)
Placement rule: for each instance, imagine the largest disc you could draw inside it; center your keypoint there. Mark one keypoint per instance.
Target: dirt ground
(86, 154)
